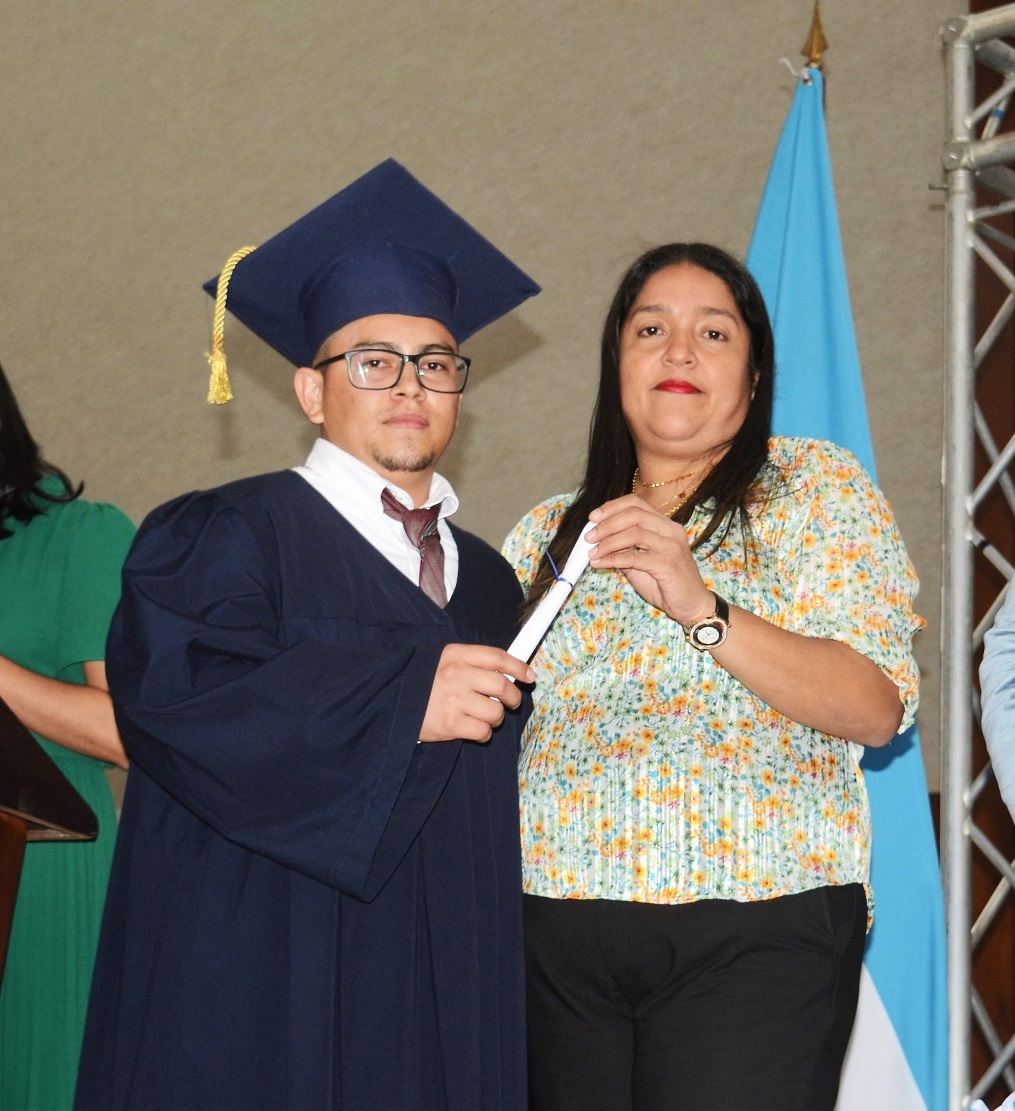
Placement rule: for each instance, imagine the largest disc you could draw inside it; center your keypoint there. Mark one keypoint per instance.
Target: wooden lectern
(37, 803)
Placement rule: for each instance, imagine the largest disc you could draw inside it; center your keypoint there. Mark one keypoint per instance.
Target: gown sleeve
(297, 741)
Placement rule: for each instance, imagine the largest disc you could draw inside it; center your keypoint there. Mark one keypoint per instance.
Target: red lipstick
(677, 385)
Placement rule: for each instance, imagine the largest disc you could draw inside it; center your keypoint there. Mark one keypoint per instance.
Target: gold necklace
(674, 505)
(656, 485)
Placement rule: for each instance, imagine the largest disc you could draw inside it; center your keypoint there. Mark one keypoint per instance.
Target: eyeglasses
(439, 371)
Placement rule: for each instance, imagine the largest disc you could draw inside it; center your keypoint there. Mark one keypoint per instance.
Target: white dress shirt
(354, 489)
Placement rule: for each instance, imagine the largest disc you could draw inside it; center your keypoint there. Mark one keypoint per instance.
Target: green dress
(59, 584)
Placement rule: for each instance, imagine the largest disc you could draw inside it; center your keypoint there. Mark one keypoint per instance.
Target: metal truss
(978, 161)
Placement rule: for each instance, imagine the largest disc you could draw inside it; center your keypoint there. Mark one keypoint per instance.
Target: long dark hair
(22, 467)
(609, 470)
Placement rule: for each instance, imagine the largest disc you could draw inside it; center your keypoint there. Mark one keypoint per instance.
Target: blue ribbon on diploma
(524, 645)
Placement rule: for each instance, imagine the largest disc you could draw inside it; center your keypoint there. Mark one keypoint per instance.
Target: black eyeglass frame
(414, 359)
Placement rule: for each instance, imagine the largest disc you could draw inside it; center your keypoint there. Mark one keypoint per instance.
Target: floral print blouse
(647, 772)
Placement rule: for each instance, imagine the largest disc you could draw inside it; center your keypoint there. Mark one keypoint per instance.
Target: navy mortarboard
(384, 244)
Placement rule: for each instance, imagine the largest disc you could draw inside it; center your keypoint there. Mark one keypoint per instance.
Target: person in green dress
(60, 560)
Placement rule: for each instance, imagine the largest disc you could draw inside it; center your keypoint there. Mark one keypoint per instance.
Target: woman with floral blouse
(695, 826)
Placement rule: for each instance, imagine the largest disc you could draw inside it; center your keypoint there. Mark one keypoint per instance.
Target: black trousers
(716, 1004)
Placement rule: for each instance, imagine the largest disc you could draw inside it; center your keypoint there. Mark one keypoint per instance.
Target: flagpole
(816, 44)
(899, 1049)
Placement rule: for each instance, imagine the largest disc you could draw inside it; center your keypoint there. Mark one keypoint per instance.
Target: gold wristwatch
(710, 632)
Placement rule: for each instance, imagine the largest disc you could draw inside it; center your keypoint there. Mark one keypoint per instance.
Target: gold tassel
(219, 391)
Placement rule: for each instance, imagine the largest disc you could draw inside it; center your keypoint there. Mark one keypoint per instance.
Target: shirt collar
(345, 472)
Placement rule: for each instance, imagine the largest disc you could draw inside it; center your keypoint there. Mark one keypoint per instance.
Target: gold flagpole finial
(816, 43)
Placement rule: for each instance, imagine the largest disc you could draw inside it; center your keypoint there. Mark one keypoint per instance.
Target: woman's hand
(654, 554)
(824, 684)
(76, 716)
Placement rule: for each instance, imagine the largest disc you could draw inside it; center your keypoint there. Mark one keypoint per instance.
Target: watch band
(710, 632)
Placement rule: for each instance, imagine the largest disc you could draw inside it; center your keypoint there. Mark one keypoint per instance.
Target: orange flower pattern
(647, 772)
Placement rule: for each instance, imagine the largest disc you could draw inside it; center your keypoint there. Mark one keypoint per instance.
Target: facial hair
(407, 463)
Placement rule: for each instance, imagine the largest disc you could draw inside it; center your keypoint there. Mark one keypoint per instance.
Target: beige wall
(142, 143)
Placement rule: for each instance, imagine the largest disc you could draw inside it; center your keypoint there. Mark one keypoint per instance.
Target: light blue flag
(796, 257)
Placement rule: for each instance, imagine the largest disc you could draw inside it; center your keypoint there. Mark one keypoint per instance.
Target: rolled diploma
(533, 631)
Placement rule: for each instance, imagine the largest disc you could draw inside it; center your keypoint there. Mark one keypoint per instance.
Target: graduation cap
(384, 244)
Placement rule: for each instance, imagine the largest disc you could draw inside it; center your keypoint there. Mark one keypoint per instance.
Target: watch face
(708, 635)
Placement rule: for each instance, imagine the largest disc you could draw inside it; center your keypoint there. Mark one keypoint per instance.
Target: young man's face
(400, 432)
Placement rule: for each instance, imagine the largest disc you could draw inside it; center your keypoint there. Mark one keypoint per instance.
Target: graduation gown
(308, 910)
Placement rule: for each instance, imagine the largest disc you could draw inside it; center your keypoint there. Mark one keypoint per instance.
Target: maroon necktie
(421, 527)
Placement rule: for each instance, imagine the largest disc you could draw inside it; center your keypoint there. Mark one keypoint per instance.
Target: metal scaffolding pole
(956, 726)
(970, 161)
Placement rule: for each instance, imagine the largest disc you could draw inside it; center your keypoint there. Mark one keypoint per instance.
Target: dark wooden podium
(37, 803)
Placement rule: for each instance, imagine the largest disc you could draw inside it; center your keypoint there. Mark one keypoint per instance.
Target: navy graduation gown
(308, 910)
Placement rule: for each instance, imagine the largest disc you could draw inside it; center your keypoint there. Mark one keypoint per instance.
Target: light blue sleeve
(997, 696)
